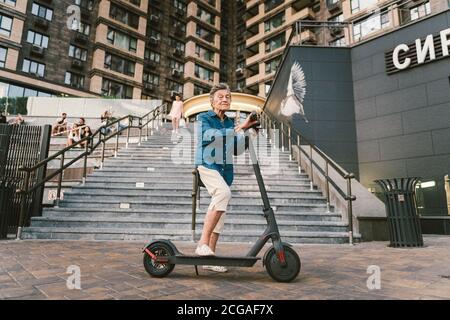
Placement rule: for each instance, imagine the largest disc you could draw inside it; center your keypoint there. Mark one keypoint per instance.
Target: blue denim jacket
(216, 141)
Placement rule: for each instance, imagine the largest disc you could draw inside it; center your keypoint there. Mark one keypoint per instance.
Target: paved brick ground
(37, 270)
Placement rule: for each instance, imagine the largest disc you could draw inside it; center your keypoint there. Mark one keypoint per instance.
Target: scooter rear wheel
(158, 270)
(281, 273)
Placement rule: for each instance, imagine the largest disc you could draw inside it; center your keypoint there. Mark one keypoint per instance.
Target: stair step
(182, 224)
(186, 213)
(175, 235)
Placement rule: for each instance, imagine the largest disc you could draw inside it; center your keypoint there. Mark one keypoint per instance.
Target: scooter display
(281, 260)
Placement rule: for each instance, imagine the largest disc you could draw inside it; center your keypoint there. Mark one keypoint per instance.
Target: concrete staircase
(143, 195)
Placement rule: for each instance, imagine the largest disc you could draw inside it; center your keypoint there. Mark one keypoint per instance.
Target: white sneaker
(216, 268)
(204, 250)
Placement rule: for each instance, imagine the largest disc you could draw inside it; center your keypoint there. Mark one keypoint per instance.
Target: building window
(86, 4)
(121, 40)
(5, 25)
(81, 27)
(119, 64)
(276, 42)
(204, 73)
(271, 4)
(268, 85)
(204, 34)
(151, 78)
(33, 67)
(420, 11)
(3, 54)
(272, 65)
(117, 90)
(10, 2)
(371, 24)
(122, 15)
(180, 5)
(74, 80)
(37, 39)
(206, 16)
(198, 90)
(176, 65)
(175, 86)
(275, 22)
(358, 5)
(77, 53)
(204, 53)
(155, 34)
(42, 12)
(175, 44)
(241, 85)
(152, 56)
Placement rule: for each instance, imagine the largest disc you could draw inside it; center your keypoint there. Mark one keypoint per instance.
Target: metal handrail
(270, 122)
(156, 114)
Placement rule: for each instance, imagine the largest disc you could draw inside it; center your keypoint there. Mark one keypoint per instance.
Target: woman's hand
(248, 123)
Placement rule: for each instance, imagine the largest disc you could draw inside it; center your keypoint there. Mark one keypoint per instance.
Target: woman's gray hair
(217, 87)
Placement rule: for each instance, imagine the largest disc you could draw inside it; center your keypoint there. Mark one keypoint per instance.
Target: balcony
(153, 41)
(176, 73)
(180, 12)
(150, 65)
(41, 23)
(77, 64)
(334, 6)
(37, 51)
(81, 38)
(178, 53)
(154, 18)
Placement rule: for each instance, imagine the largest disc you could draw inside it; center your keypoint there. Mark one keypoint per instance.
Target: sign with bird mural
(295, 94)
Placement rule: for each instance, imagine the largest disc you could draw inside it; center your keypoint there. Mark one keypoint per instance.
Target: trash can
(402, 218)
(6, 197)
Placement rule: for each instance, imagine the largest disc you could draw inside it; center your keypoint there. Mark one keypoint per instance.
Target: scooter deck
(214, 260)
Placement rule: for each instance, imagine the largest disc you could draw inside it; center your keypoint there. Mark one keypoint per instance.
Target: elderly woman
(214, 160)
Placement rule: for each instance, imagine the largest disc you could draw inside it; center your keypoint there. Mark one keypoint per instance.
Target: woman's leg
(211, 220)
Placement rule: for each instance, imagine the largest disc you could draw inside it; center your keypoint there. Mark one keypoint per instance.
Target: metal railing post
(312, 169)
(153, 123)
(60, 177)
(140, 131)
(103, 154)
(147, 125)
(274, 133)
(130, 123)
(350, 208)
(116, 150)
(290, 143)
(299, 155)
(327, 187)
(23, 201)
(86, 151)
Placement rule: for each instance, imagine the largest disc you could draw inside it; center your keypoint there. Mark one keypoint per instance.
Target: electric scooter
(281, 261)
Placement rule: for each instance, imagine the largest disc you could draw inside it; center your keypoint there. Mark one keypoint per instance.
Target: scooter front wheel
(277, 271)
(158, 270)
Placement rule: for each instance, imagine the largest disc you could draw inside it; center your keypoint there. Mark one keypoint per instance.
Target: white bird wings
(298, 82)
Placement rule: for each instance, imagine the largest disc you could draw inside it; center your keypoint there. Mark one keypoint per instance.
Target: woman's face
(222, 100)
(177, 98)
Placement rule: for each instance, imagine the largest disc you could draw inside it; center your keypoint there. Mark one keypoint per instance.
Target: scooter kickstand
(196, 270)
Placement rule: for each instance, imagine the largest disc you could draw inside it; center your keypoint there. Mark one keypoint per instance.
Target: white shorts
(218, 190)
